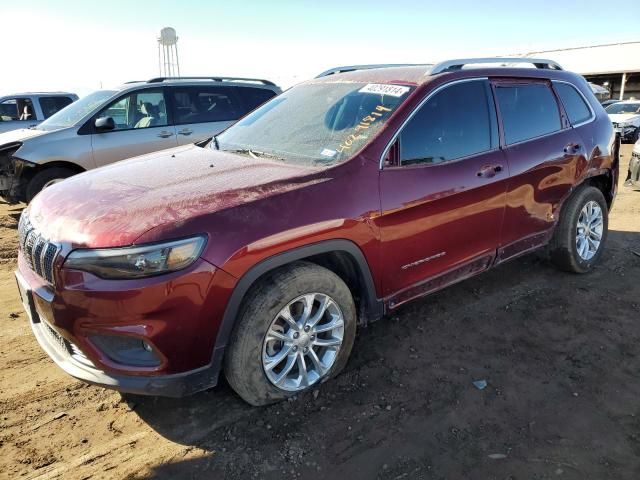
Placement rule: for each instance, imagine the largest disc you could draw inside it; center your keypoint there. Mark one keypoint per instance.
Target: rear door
(443, 201)
(142, 126)
(51, 105)
(200, 112)
(543, 152)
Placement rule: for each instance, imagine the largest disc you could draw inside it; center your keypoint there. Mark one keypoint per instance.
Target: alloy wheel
(303, 342)
(589, 230)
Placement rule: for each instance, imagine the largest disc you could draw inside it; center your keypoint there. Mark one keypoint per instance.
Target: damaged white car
(625, 116)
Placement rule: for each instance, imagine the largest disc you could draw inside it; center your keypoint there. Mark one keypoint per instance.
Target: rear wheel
(581, 233)
(295, 330)
(45, 178)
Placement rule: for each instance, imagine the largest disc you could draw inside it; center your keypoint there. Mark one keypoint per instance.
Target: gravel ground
(559, 354)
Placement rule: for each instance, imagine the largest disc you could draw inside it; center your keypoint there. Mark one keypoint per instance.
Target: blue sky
(80, 45)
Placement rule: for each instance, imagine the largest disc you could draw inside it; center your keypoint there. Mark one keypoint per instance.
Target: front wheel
(295, 330)
(581, 233)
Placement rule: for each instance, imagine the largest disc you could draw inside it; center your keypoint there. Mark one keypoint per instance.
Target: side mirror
(105, 124)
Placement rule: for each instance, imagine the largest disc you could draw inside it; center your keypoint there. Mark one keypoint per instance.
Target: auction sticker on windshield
(382, 89)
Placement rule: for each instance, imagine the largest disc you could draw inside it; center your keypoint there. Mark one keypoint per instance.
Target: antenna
(168, 63)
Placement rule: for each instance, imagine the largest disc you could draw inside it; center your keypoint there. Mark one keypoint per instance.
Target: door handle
(572, 148)
(488, 171)
(185, 131)
(165, 134)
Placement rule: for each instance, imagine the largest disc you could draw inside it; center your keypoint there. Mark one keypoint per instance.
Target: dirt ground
(560, 354)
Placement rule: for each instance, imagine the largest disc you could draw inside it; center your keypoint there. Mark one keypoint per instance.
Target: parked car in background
(347, 196)
(26, 110)
(600, 92)
(110, 125)
(606, 103)
(625, 116)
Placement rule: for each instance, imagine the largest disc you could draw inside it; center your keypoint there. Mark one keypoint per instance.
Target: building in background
(615, 66)
(168, 53)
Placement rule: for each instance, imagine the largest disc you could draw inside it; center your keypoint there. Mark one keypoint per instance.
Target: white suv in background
(625, 116)
(111, 125)
(25, 110)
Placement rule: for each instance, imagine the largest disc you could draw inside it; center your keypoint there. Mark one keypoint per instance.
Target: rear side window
(574, 104)
(456, 122)
(528, 111)
(205, 104)
(51, 105)
(254, 97)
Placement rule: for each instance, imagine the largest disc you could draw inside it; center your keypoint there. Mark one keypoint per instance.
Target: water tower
(168, 53)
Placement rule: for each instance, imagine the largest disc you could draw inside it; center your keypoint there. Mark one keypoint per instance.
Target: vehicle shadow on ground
(535, 333)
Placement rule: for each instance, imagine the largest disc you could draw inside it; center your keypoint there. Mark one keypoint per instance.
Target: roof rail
(453, 65)
(353, 68)
(215, 79)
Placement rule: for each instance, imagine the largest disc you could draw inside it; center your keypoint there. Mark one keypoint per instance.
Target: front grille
(39, 252)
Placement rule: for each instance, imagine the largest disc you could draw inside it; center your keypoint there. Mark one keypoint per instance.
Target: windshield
(315, 124)
(71, 114)
(623, 108)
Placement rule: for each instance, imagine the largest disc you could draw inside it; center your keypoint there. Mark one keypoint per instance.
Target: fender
(372, 308)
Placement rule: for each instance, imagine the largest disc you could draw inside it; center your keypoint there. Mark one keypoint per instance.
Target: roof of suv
(227, 81)
(49, 94)
(420, 74)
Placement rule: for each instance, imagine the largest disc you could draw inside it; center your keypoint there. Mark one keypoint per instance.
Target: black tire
(243, 359)
(563, 250)
(40, 179)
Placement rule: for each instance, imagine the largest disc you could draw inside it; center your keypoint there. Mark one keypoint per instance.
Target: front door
(142, 126)
(17, 113)
(443, 192)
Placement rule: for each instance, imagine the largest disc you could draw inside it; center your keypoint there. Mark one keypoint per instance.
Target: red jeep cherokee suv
(259, 252)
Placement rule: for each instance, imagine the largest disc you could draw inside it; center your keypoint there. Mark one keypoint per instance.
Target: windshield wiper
(256, 154)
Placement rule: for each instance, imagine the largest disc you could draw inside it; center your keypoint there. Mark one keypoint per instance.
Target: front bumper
(12, 180)
(627, 134)
(65, 320)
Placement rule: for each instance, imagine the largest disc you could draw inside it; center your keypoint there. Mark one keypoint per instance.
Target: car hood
(624, 117)
(116, 204)
(19, 135)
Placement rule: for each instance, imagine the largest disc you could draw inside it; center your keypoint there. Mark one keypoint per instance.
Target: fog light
(127, 350)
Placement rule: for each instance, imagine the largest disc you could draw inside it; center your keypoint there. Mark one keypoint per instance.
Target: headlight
(137, 262)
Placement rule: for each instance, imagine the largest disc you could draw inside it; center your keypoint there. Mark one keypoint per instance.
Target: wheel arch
(30, 170)
(603, 181)
(29, 173)
(342, 257)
